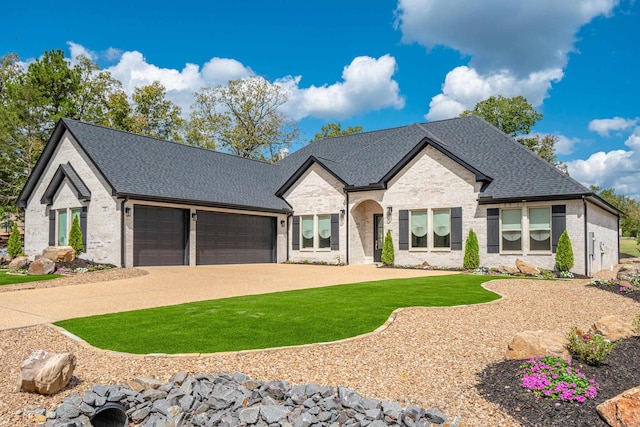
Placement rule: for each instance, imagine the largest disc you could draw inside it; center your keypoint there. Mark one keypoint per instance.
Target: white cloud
(367, 85)
(617, 169)
(564, 144)
(514, 46)
(78, 50)
(603, 126)
(221, 70)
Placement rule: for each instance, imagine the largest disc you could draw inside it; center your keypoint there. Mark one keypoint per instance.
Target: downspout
(618, 238)
(346, 218)
(586, 238)
(289, 215)
(122, 232)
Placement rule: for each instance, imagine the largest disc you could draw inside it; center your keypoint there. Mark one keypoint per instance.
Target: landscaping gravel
(78, 279)
(427, 357)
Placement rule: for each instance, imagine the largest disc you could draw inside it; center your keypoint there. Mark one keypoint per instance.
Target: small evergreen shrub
(388, 254)
(75, 236)
(14, 247)
(471, 252)
(564, 253)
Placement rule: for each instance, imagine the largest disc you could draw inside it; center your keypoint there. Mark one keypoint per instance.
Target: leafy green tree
(243, 117)
(331, 130)
(388, 253)
(564, 253)
(471, 252)
(154, 115)
(14, 247)
(630, 220)
(516, 117)
(75, 236)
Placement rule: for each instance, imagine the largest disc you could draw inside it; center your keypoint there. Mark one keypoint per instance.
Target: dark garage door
(223, 238)
(159, 236)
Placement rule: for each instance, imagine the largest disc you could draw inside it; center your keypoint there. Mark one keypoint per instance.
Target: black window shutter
(335, 232)
(295, 234)
(83, 225)
(403, 236)
(558, 224)
(493, 230)
(52, 227)
(456, 229)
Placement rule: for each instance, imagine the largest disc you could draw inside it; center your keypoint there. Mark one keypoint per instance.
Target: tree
(75, 236)
(14, 246)
(515, 117)
(243, 117)
(471, 252)
(154, 115)
(630, 220)
(564, 253)
(331, 130)
(388, 254)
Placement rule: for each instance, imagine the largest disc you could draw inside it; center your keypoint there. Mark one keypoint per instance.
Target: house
(143, 201)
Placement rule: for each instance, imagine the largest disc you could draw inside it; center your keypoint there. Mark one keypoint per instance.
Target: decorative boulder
(628, 272)
(507, 269)
(613, 328)
(46, 373)
(41, 266)
(622, 410)
(18, 263)
(59, 253)
(526, 268)
(528, 344)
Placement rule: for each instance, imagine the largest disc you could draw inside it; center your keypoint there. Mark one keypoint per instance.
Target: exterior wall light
(127, 211)
(389, 210)
(194, 216)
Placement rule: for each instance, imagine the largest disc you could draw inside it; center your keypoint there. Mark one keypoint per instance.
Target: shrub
(75, 236)
(14, 247)
(388, 254)
(554, 378)
(564, 253)
(590, 348)
(471, 252)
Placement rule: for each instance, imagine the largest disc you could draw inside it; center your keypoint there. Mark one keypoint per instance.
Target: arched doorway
(366, 232)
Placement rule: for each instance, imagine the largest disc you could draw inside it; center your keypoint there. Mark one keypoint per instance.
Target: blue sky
(378, 64)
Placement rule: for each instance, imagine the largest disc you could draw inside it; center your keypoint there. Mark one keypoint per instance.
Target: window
(65, 219)
(324, 231)
(512, 230)
(307, 232)
(540, 229)
(418, 229)
(441, 228)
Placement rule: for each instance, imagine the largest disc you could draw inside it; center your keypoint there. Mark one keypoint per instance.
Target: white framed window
(324, 231)
(64, 220)
(441, 228)
(418, 226)
(540, 229)
(511, 226)
(307, 232)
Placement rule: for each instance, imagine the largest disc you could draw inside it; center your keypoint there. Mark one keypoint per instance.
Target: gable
(315, 190)
(67, 175)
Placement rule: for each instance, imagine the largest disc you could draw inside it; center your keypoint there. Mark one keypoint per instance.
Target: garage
(160, 236)
(223, 238)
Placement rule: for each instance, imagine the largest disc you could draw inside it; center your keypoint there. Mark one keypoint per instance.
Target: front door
(378, 237)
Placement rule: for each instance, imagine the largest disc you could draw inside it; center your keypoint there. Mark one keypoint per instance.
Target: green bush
(590, 348)
(75, 236)
(388, 254)
(564, 253)
(471, 252)
(14, 247)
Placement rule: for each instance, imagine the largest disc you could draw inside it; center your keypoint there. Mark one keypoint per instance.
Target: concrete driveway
(175, 285)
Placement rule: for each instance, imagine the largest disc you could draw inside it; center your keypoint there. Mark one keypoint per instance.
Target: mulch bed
(80, 263)
(500, 384)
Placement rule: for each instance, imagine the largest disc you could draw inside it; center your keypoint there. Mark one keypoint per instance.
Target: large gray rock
(46, 373)
(628, 272)
(41, 267)
(18, 263)
(59, 253)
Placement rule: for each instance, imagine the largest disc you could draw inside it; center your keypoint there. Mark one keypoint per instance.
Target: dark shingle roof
(144, 166)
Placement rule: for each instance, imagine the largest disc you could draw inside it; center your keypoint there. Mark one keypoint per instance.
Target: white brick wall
(103, 220)
(317, 192)
(605, 229)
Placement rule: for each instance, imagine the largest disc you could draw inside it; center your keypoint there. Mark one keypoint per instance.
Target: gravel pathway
(426, 357)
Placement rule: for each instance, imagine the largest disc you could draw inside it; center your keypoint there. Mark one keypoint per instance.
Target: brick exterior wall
(606, 233)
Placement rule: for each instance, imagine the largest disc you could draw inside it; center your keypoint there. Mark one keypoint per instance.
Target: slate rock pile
(230, 400)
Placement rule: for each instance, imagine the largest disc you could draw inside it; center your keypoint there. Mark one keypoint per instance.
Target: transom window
(65, 219)
(512, 230)
(418, 229)
(540, 229)
(441, 228)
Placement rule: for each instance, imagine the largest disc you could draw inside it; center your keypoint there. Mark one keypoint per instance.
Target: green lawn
(276, 319)
(10, 279)
(628, 246)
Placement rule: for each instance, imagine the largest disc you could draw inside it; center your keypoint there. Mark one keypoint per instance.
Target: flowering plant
(565, 274)
(554, 378)
(591, 348)
(62, 270)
